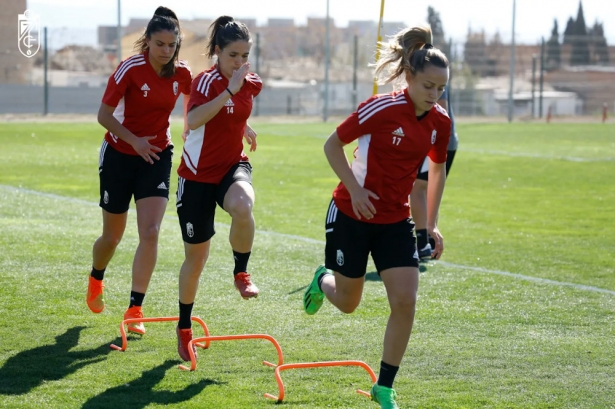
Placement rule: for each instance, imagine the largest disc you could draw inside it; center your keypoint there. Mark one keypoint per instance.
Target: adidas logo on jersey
(162, 186)
(229, 103)
(145, 87)
(398, 132)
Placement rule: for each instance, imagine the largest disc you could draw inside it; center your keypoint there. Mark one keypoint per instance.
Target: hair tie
(427, 46)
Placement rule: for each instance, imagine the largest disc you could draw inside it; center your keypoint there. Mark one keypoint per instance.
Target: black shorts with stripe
(350, 241)
(123, 176)
(196, 202)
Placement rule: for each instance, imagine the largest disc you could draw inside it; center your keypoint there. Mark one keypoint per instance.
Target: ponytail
(411, 49)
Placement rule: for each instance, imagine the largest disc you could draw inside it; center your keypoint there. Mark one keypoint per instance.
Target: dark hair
(224, 31)
(164, 19)
(410, 49)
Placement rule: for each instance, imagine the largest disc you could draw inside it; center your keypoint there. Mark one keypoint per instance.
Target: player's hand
(361, 203)
(146, 150)
(250, 137)
(437, 236)
(185, 134)
(237, 80)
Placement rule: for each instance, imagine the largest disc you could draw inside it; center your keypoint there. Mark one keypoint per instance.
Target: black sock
(320, 280)
(422, 238)
(387, 374)
(98, 274)
(241, 262)
(136, 299)
(432, 243)
(185, 315)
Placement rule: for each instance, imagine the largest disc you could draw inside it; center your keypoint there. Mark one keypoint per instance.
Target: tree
(569, 32)
(437, 30)
(554, 52)
(601, 51)
(580, 40)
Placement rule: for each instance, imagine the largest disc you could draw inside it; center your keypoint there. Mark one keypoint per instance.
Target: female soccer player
(369, 212)
(214, 168)
(136, 154)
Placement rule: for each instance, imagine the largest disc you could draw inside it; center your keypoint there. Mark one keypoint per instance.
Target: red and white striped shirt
(392, 144)
(144, 101)
(212, 149)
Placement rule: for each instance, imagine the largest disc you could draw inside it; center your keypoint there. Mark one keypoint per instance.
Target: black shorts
(123, 176)
(424, 169)
(196, 202)
(350, 241)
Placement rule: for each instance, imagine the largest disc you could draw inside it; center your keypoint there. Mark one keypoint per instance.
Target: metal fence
(560, 74)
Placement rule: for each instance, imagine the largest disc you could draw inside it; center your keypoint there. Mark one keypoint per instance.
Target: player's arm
(435, 190)
(186, 128)
(200, 115)
(140, 144)
(361, 205)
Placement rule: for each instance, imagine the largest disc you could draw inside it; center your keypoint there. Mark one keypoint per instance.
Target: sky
(75, 21)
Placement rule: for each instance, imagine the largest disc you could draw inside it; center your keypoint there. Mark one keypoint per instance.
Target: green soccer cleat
(384, 396)
(313, 296)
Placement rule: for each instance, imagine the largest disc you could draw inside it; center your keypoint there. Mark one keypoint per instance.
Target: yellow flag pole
(375, 91)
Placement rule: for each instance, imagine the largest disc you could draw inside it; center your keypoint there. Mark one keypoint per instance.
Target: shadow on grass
(28, 369)
(140, 392)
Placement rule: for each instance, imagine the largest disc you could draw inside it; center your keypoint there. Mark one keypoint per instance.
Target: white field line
(536, 155)
(321, 242)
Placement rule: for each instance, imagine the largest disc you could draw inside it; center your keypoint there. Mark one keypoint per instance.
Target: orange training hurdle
(159, 319)
(208, 339)
(284, 367)
(281, 366)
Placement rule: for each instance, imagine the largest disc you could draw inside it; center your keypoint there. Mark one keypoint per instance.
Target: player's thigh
(196, 209)
(347, 243)
(117, 177)
(235, 188)
(394, 245)
(153, 179)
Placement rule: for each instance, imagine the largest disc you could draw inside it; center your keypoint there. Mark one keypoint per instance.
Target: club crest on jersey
(189, 229)
(340, 258)
(175, 87)
(433, 136)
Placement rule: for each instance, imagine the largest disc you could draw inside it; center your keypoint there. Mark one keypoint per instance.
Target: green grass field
(519, 313)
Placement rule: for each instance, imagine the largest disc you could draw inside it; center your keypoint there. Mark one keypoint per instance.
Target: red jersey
(392, 144)
(212, 149)
(144, 101)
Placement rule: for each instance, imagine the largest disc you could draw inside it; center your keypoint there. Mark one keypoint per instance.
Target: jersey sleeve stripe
(205, 83)
(367, 108)
(125, 67)
(387, 105)
(254, 78)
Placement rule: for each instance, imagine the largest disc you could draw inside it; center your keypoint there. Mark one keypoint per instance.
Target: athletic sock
(241, 262)
(387, 374)
(185, 315)
(136, 299)
(98, 274)
(422, 238)
(322, 275)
